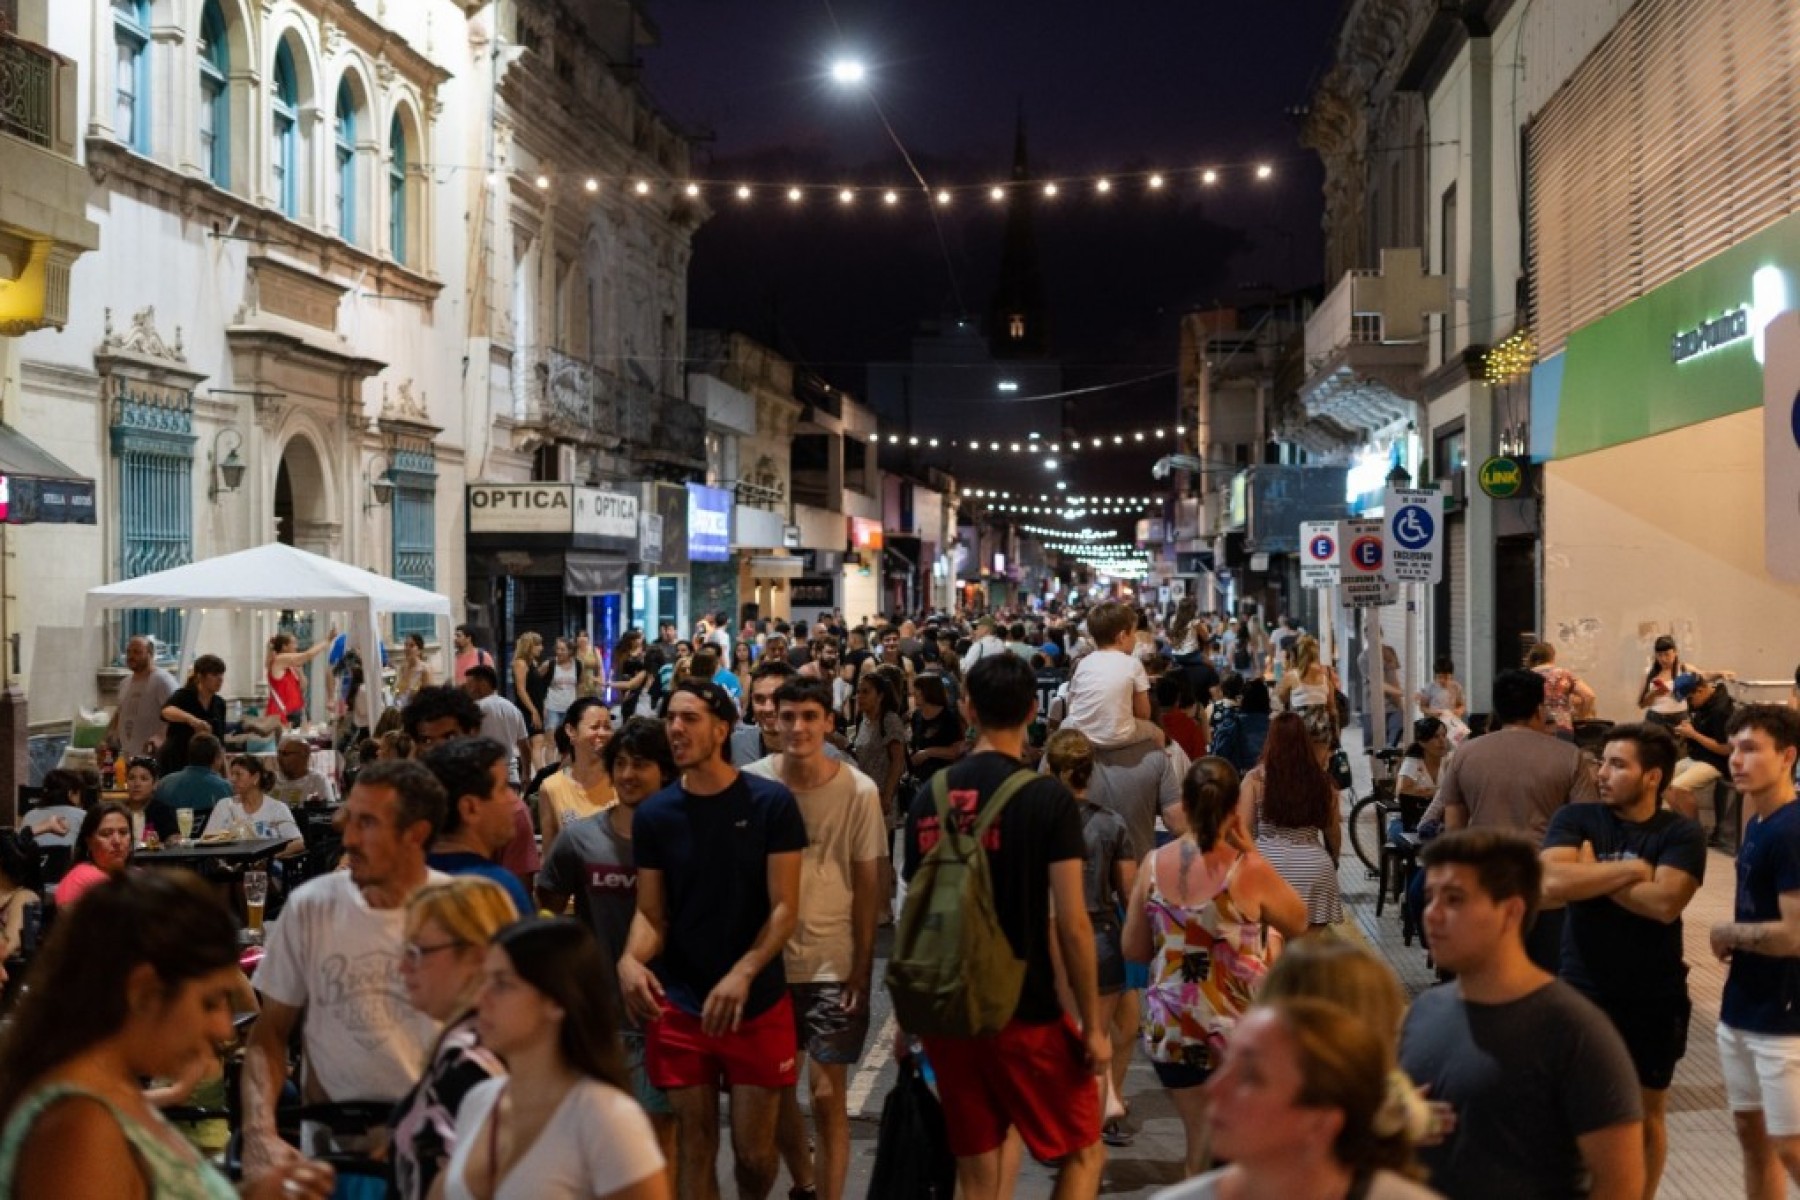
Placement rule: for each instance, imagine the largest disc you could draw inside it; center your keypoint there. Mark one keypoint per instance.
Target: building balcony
(1366, 346)
(43, 187)
(568, 401)
(664, 434)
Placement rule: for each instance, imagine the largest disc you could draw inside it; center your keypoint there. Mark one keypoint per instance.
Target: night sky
(1168, 85)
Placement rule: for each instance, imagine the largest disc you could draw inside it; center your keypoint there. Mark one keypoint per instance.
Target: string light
(1100, 184)
(1039, 446)
(1510, 359)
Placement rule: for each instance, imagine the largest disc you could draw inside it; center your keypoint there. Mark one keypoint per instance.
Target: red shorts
(1030, 1075)
(678, 1053)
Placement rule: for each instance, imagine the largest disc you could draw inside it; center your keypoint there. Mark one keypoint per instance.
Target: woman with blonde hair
(1307, 684)
(1302, 1107)
(531, 685)
(448, 927)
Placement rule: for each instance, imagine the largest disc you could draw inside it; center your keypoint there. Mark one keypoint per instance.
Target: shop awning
(35, 487)
(594, 574)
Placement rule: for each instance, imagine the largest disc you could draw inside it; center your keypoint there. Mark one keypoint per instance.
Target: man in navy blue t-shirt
(1626, 868)
(1759, 1021)
(718, 863)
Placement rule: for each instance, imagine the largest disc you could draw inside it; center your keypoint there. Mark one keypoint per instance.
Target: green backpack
(953, 973)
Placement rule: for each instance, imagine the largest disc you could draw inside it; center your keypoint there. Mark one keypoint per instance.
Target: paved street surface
(1703, 1160)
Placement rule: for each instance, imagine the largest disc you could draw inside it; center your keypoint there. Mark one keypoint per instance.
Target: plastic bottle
(119, 766)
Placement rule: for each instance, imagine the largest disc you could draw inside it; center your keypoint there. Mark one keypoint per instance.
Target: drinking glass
(184, 823)
(256, 894)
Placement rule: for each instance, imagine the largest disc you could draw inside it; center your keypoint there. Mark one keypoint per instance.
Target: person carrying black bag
(912, 1153)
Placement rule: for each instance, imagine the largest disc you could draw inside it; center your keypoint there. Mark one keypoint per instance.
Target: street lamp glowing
(1264, 171)
(997, 193)
(890, 197)
(943, 196)
(846, 196)
(848, 71)
(743, 192)
(592, 185)
(794, 194)
(1156, 181)
(1209, 177)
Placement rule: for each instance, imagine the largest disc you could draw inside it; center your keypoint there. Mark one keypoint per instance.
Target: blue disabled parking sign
(1415, 523)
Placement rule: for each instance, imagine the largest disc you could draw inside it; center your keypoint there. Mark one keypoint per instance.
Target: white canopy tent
(277, 577)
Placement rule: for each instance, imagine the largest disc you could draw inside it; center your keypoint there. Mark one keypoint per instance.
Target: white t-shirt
(596, 1143)
(340, 959)
(1414, 769)
(843, 826)
(1101, 693)
(273, 820)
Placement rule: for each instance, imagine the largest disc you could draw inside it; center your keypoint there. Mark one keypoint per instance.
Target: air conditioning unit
(556, 463)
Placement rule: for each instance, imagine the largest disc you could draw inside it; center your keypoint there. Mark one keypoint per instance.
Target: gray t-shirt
(141, 702)
(1514, 779)
(590, 861)
(1526, 1079)
(1136, 782)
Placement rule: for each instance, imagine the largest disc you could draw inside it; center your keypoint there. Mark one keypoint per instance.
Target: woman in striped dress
(1292, 805)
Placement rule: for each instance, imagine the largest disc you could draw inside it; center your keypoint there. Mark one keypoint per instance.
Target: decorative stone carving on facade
(142, 338)
(401, 405)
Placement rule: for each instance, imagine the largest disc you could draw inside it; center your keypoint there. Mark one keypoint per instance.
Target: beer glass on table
(184, 823)
(256, 894)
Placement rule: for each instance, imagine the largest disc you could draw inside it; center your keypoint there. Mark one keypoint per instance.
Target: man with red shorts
(1036, 1074)
(718, 891)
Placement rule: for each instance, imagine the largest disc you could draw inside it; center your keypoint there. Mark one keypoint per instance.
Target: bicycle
(1370, 815)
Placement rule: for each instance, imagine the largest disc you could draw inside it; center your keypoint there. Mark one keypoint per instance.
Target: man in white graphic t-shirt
(335, 956)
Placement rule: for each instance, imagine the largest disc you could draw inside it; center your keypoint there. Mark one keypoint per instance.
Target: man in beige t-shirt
(831, 956)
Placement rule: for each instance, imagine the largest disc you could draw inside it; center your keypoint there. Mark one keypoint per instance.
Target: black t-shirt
(175, 742)
(932, 733)
(1527, 1079)
(1040, 826)
(1610, 953)
(854, 659)
(1711, 719)
(714, 853)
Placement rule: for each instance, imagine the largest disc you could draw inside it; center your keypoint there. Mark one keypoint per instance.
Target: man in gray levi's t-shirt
(1544, 1093)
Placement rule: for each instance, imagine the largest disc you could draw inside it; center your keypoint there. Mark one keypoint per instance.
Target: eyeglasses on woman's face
(414, 955)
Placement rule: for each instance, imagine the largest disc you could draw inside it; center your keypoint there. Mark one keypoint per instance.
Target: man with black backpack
(988, 850)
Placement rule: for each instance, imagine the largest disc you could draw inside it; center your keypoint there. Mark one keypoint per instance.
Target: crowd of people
(579, 900)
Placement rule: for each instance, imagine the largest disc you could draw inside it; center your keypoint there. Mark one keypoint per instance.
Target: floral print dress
(1208, 964)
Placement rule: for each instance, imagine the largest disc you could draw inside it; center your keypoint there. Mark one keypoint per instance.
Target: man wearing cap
(718, 860)
(985, 643)
(1707, 763)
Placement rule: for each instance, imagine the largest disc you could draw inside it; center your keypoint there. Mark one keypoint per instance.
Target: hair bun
(1403, 1112)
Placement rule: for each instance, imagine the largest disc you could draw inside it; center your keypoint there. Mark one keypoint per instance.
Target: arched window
(215, 96)
(131, 73)
(344, 137)
(286, 148)
(397, 189)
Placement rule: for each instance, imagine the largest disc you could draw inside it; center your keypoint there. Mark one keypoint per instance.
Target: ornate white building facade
(328, 293)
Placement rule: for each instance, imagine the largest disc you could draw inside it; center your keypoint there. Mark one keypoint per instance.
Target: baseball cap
(1685, 685)
(718, 701)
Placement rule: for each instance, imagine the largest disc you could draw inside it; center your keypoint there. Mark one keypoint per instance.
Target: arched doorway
(302, 503)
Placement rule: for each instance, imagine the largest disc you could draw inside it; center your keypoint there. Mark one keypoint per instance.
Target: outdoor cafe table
(210, 858)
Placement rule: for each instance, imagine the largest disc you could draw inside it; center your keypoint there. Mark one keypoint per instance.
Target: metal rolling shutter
(1456, 578)
(1675, 140)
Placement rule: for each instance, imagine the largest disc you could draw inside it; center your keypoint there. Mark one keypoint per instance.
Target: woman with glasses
(563, 1124)
(448, 926)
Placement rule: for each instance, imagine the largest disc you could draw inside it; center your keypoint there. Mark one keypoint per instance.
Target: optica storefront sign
(709, 523)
